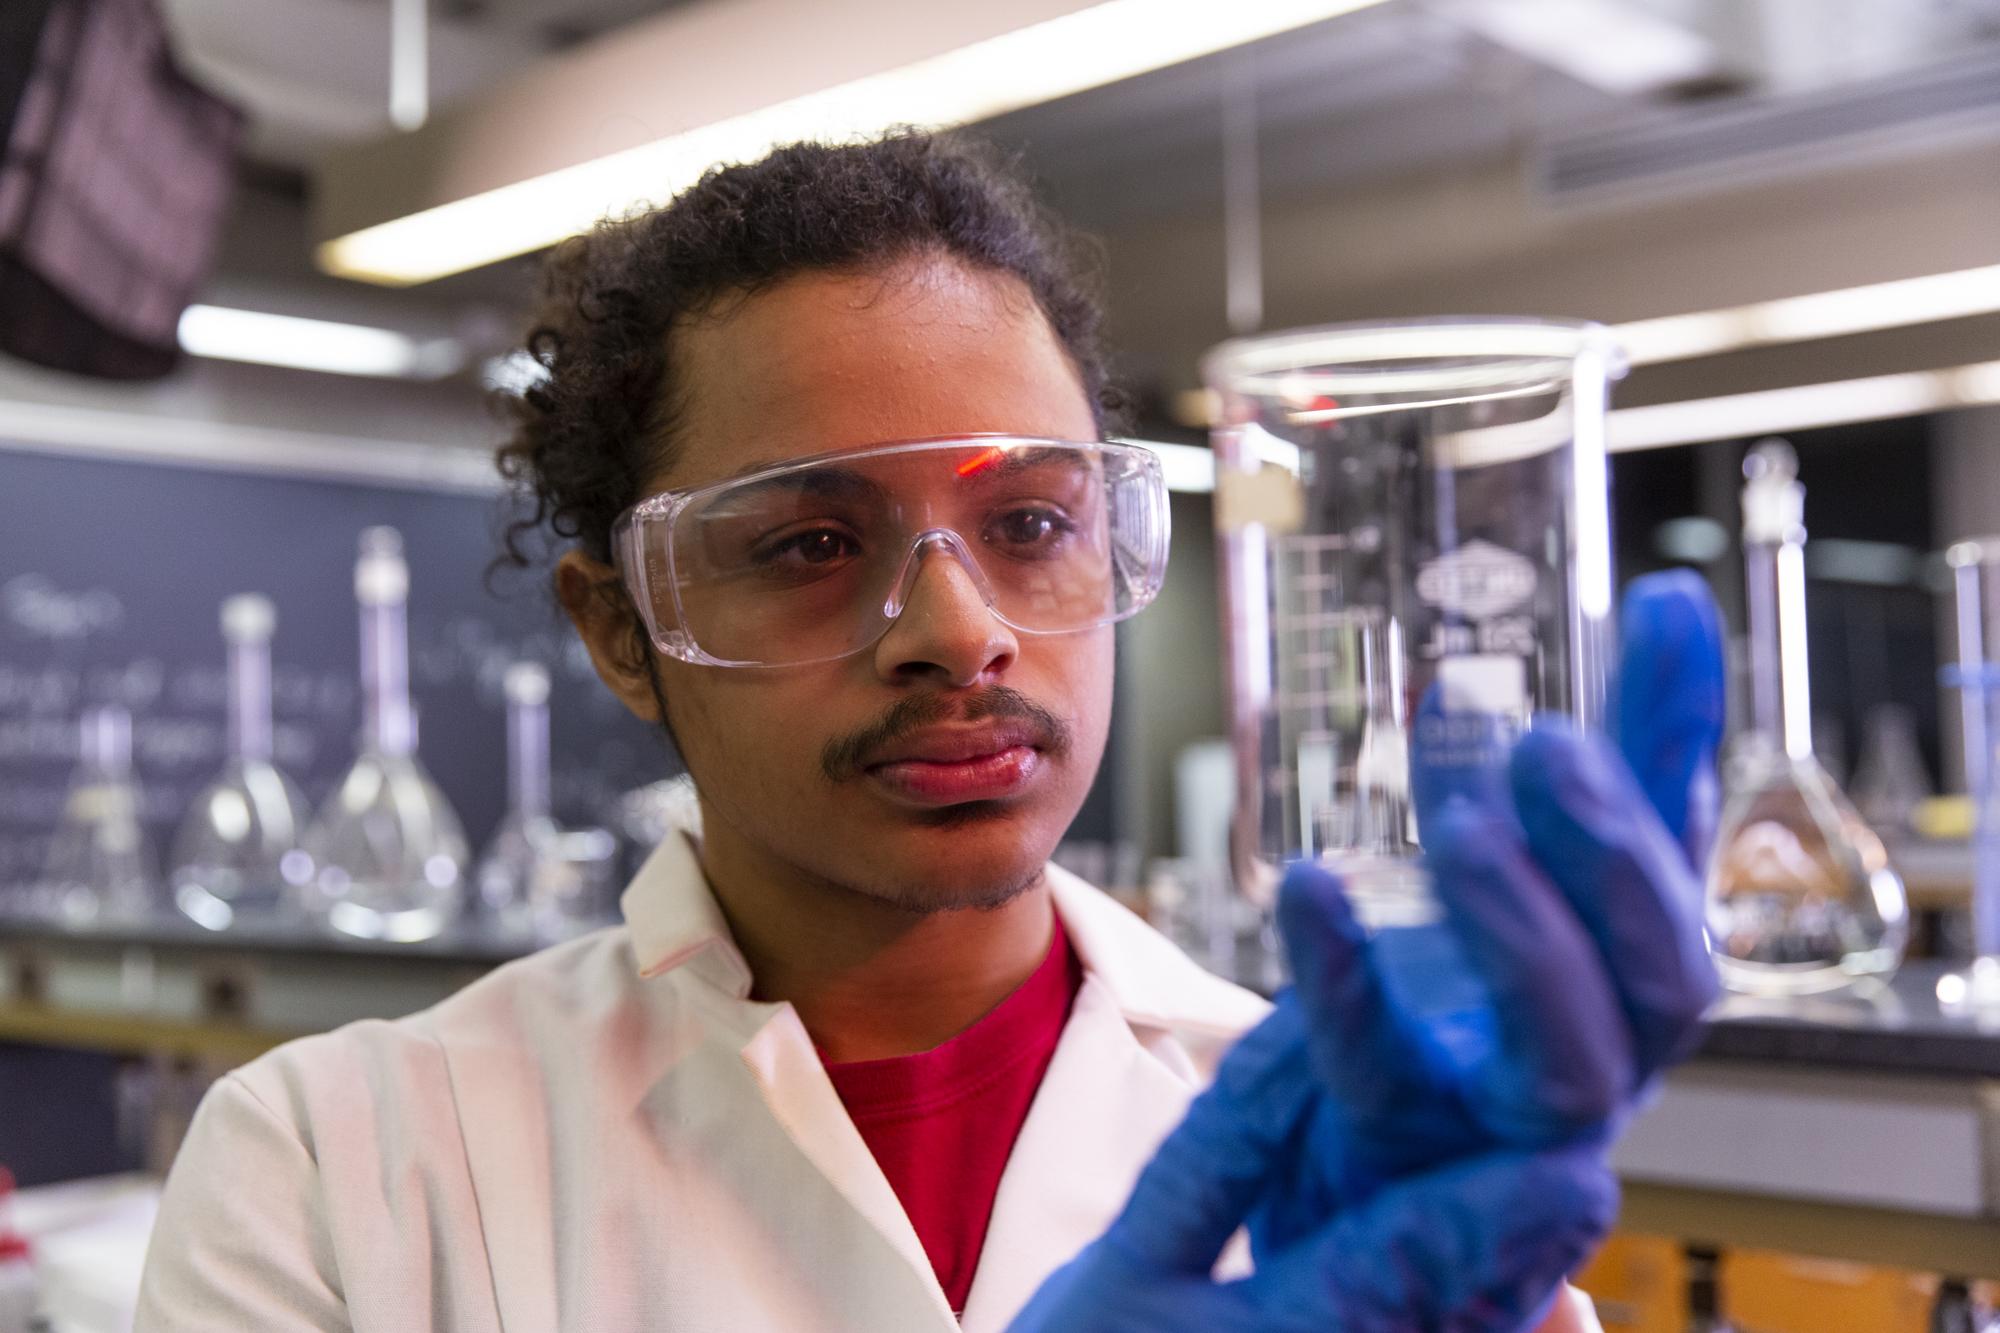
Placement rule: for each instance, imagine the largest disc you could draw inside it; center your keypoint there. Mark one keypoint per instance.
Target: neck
(869, 980)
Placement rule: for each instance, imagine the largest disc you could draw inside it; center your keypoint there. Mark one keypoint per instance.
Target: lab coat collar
(1151, 981)
(1110, 1094)
(675, 922)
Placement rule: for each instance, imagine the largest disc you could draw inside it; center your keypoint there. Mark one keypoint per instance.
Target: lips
(951, 765)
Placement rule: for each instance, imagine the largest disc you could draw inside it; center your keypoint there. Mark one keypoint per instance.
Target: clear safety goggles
(815, 558)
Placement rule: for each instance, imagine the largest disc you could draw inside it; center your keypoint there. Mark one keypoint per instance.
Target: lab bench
(169, 985)
(1862, 1128)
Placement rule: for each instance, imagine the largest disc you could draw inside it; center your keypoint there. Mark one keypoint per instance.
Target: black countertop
(1895, 1029)
(470, 943)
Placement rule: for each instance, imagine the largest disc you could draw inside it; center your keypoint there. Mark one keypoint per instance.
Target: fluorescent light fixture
(1090, 47)
(1609, 44)
(1741, 415)
(1188, 467)
(313, 344)
(1881, 305)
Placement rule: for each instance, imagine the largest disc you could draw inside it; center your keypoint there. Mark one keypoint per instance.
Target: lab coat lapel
(675, 923)
(1103, 1107)
(510, 1180)
(795, 1086)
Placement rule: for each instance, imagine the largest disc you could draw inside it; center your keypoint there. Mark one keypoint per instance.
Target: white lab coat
(610, 1135)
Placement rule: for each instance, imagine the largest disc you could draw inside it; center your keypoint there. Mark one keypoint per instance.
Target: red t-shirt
(941, 1123)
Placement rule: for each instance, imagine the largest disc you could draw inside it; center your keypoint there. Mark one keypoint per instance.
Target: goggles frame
(651, 574)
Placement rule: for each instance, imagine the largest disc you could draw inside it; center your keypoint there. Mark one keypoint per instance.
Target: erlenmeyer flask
(537, 880)
(1890, 781)
(1800, 894)
(100, 867)
(388, 857)
(230, 853)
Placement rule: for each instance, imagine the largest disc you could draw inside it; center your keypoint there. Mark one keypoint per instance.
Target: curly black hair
(589, 435)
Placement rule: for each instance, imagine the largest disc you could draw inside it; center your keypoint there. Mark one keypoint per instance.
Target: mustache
(844, 757)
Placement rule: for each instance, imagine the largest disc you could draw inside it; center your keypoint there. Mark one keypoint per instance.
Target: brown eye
(813, 549)
(817, 548)
(1029, 532)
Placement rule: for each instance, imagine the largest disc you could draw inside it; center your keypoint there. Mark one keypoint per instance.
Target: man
(859, 1058)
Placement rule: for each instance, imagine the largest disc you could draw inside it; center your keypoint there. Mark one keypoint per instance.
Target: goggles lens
(814, 559)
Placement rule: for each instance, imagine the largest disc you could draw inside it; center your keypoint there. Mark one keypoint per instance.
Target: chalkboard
(111, 576)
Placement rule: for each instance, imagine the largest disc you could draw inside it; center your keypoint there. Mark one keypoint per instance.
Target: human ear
(595, 598)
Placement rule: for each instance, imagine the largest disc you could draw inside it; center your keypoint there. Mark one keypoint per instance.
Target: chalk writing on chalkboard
(111, 576)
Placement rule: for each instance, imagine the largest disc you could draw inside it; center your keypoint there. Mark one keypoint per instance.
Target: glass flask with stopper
(1415, 553)
(1975, 569)
(229, 856)
(1800, 894)
(538, 880)
(100, 868)
(386, 855)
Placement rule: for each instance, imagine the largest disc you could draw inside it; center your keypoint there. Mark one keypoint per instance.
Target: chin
(980, 855)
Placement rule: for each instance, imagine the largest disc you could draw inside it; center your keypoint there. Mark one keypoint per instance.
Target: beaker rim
(1241, 363)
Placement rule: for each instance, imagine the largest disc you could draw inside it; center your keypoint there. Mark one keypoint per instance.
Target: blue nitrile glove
(1403, 1163)
(1573, 967)
(1670, 701)
(1474, 1246)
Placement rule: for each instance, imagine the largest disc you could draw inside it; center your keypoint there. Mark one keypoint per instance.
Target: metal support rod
(1242, 223)
(409, 64)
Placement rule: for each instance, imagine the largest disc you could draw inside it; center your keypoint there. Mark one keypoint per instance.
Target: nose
(945, 631)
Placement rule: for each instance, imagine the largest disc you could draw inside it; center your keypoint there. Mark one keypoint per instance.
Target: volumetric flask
(1800, 896)
(1415, 547)
(230, 852)
(385, 857)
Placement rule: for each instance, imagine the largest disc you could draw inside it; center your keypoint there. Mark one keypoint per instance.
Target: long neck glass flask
(1975, 568)
(239, 836)
(507, 867)
(100, 867)
(388, 857)
(538, 880)
(1800, 896)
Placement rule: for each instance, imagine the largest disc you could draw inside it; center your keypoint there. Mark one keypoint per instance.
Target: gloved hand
(1574, 953)
(1399, 1165)
(1474, 1246)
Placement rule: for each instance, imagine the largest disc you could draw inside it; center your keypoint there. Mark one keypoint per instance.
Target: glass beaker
(1415, 547)
(1975, 569)
(100, 866)
(386, 856)
(230, 851)
(1800, 895)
